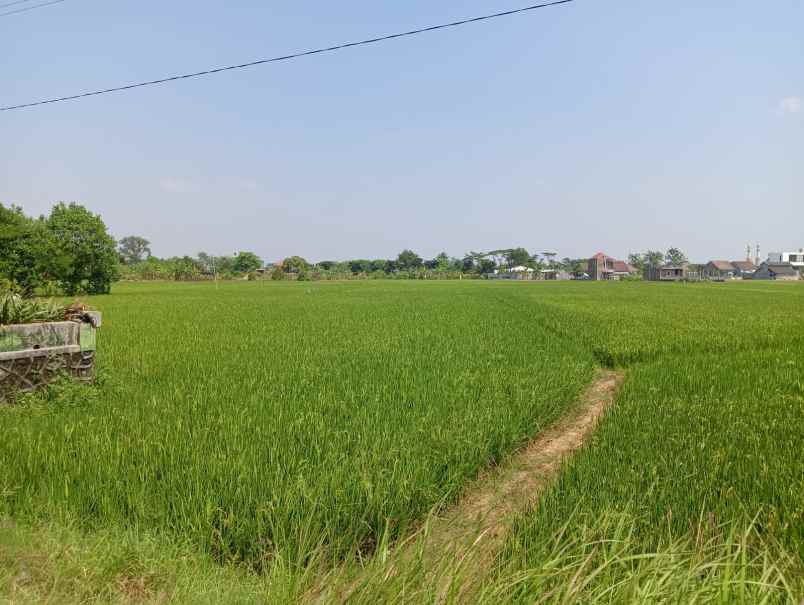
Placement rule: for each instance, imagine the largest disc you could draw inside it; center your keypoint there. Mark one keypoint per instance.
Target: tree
(277, 274)
(88, 260)
(379, 265)
(408, 259)
(185, 268)
(653, 258)
(246, 262)
(675, 256)
(223, 265)
(578, 267)
(27, 254)
(360, 266)
(206, 262)
(295, 264)
(468, 264)
(516, 257)
(442, 262)
(133, 249)
(486, 265)
(550, 256)
(637, 260)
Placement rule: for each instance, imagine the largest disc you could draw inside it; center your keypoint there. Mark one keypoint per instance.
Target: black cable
(27, 8)
(288, 57)
(13, 3)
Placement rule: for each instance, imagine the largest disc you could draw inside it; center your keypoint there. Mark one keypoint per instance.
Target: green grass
(292, 426)
(706, 435)
(264, 420)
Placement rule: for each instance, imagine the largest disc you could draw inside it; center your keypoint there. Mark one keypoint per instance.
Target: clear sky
(598, 125)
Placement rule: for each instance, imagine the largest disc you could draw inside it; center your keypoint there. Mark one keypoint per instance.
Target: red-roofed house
(603, 267)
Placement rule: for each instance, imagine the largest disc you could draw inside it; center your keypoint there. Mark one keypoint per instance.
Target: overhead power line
(27, 8)
(297, 55)
(13, 3)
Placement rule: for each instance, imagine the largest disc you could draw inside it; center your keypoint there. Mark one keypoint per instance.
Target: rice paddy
(291, 424)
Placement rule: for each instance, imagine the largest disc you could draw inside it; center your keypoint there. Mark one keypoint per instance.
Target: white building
(794, 258)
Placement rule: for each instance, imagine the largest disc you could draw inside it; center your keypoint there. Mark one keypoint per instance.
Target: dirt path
(517, 485)
(480, 522)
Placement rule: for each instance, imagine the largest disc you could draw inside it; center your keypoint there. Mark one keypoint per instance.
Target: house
(554, 275)
(743, 269)
(520, 273)
(794, 258)
(668, 273)
(719, 270)
(603, 267)
(777, 271)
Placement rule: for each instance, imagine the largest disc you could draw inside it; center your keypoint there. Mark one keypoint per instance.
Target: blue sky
(614, 126)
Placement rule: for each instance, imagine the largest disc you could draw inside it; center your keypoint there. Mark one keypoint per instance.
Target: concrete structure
(603, 267)
(777, 271)
(794, 258)
(743, 269)
(518, 273)
(33, 355)
(719, 270)
(555, 275)
(668, 273)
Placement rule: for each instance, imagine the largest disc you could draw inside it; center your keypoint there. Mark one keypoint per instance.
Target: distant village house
(777, 271)
(718, 270)
(670, 273)
(796, 259)
(603, 267)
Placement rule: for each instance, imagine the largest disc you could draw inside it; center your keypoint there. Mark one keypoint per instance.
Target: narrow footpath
(472, 532)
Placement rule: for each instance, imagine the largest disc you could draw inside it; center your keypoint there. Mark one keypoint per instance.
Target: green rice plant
(293, 426)
(263, 420)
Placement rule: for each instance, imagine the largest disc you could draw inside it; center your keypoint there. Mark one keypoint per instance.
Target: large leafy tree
(379, 265)
(134, 249)
(87, 259)
(486, 265)
(246, 262)
(408, 259)
(653, 258)
(674, 256)
(359, 266)
(26, 250)
(637, 260)
(295, 264)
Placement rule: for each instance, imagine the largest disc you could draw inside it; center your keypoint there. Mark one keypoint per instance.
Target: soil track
(516, 485)
(480, 522)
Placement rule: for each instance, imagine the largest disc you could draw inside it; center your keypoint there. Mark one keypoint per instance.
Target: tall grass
(731, 563)
(265, 420)
(293, 426)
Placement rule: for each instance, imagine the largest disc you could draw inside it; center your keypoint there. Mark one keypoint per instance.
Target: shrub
(15, 309)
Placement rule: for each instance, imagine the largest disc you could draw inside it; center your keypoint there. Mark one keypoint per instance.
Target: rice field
(265, 423)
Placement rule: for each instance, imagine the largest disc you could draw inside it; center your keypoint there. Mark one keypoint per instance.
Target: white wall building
(794, 258)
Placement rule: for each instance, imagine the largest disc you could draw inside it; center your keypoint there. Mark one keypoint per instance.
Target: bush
(15, 309)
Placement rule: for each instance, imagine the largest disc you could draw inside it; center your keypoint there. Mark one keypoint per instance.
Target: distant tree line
(139, 264)
(410, 265)
(69, 251)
